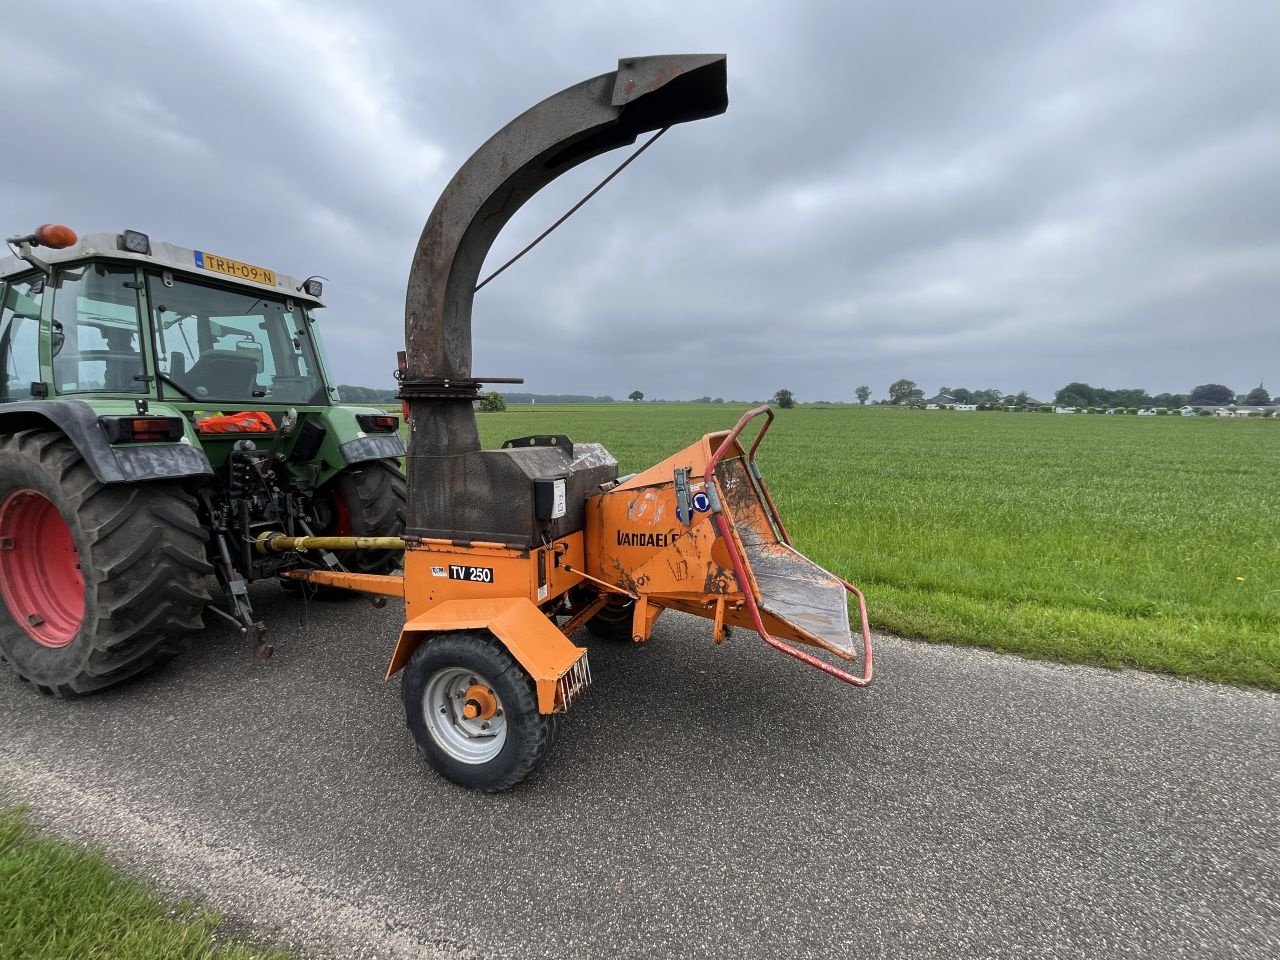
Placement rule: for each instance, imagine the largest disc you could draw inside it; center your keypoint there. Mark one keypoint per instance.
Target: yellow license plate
(234, 268)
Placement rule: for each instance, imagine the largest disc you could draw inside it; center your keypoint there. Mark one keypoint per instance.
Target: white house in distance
(944, 401)
(1231, 411)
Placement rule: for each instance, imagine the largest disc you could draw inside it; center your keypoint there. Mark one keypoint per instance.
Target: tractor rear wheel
(473, 711)
(364, 500)
(99, 582)
(368, 500)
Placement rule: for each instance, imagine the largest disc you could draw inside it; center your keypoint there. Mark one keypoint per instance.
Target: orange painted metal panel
(533, 639)
(636, 539)
(500, 589)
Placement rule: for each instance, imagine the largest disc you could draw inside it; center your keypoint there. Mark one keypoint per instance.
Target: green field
(1122, 541)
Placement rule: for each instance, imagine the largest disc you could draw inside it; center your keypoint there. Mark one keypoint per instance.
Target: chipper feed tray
(699, 532)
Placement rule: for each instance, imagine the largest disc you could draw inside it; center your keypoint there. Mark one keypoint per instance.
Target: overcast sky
(1010, 195)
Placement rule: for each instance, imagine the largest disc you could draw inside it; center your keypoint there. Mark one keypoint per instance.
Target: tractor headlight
(314, 288)
(135, 242)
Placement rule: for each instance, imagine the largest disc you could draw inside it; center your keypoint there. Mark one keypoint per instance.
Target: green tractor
(161, 410)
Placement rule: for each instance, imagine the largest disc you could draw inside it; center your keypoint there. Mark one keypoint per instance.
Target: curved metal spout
(574, 125)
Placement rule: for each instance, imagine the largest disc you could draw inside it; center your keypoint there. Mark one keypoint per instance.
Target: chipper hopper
(510, 551)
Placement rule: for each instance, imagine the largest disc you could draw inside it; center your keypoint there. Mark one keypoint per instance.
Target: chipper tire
(613, 622)
(366, 500)
(98, 582)
(483, 754)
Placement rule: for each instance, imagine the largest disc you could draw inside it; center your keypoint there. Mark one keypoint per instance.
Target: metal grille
(571, 684)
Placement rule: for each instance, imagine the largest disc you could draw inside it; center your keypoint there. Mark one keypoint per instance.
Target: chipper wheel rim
(464, 715)
(40, 574)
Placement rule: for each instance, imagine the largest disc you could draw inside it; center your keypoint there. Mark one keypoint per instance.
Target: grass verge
(58, 901)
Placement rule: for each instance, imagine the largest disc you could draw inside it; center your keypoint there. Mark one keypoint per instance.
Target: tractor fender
(537, 643)
(78, 421)
(346, 443)
(362, 449)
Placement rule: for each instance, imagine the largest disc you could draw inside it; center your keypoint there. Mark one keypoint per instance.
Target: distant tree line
(1083, 395)
(351, 394)
(555, 398)
(906, 392)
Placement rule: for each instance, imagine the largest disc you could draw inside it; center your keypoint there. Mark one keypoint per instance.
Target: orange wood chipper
(509, 552)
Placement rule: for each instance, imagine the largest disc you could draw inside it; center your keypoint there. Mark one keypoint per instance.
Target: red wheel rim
(40, 569)
(341, 524)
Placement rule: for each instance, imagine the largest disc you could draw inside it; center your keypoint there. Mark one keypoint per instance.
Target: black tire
(374, 495)
(613, 622)
(141, 554)
(530, 735)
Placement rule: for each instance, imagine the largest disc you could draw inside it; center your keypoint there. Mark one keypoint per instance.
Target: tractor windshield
(215, 343)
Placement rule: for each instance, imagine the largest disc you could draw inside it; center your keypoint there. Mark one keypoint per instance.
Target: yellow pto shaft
(279, 543)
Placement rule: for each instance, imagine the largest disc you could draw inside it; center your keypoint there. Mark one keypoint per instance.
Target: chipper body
(510, 551)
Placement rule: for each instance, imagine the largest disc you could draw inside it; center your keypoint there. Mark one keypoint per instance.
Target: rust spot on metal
(662, 78)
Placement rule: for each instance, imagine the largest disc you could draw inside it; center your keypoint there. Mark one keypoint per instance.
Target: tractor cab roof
(142, 249)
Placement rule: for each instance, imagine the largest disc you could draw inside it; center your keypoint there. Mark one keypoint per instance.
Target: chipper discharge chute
(509, 552)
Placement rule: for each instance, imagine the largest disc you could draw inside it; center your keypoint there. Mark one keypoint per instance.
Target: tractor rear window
(96, 342)
(220, 344)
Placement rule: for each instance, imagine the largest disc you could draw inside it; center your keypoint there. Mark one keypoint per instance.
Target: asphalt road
(702, 802)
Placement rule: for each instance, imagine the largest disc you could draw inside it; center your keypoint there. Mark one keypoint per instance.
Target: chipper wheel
(473, 712)
(99, 582)
(613, 622)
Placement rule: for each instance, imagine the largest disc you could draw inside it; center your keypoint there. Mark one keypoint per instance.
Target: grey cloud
(1004, 194)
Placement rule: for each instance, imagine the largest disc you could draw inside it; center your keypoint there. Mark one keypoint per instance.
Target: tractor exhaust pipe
(551, 138)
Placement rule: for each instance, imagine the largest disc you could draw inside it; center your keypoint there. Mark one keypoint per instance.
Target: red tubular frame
(740, 570)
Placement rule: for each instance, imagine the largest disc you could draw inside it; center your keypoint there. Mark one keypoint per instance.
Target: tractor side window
(97, 342)
(20, 338)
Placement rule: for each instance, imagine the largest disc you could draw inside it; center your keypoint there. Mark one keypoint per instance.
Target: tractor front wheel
(99, 582)
(473, 711)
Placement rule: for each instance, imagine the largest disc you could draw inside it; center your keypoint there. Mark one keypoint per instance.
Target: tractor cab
(130, 318)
